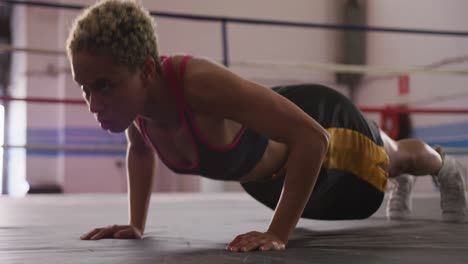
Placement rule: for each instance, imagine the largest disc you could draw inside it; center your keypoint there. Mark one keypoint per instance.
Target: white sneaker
(400, 204)
(452, 189)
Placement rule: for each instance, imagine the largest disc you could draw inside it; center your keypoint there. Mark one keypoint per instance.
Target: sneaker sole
(398, 215)
(454, 217)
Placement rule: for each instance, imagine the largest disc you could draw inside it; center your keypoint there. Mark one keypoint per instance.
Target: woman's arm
(140, 168)
(210, 86)
(305, 159)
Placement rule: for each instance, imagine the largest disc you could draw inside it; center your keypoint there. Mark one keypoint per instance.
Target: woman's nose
(95, 103)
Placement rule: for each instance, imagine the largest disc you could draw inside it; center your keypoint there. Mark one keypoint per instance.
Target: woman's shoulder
(175, 58)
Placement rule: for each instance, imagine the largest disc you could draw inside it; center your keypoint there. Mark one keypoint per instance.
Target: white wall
(42, 84)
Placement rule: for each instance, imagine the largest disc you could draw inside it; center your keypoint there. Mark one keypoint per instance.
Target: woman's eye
(103, 86)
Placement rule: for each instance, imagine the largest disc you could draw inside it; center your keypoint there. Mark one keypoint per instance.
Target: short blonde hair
(121, 27)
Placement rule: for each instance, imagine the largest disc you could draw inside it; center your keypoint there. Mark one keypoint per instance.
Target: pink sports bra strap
(176, 82)
(182, 67)
(142, 128)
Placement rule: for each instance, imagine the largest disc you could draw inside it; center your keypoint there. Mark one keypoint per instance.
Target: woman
(301, 150)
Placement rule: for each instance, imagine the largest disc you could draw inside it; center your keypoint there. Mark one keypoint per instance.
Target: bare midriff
(271, 165)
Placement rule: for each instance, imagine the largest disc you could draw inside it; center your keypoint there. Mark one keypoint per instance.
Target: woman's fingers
(114, 231)
(240, 241)
(272, 245)
(241, 238)
(102, 232)
(266, 247)
(91, 233)
(255, 240)
(254, 244)
(105, 232)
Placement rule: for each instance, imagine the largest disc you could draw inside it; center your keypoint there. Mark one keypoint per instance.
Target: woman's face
(114, 94)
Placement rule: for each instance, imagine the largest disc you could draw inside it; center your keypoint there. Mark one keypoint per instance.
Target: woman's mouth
(105, 124)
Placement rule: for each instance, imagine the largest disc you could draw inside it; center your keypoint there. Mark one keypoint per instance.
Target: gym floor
(194, 228)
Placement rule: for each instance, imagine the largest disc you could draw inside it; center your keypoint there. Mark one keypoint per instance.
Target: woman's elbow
(326, 137)
(324, 140)
(320, 140)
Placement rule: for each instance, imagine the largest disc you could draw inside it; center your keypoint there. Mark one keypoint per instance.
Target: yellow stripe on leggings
(354, 152)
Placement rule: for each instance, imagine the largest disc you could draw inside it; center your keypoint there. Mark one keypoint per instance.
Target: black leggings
(339, 193)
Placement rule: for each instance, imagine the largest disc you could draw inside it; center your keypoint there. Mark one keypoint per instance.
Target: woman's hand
(114, 231)
(256, 240)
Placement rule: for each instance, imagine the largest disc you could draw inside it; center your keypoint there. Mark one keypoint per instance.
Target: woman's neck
(160, 106)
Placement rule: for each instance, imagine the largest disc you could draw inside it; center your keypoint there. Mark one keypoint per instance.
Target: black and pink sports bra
(228, 162)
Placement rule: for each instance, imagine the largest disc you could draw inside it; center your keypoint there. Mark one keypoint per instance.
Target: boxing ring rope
(387, 113)
(386, 109)
(329, 67)
(109, 148)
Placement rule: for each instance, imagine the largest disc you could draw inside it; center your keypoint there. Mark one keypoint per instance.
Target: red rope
(43, 100)
(390, 109)
(387, 109)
